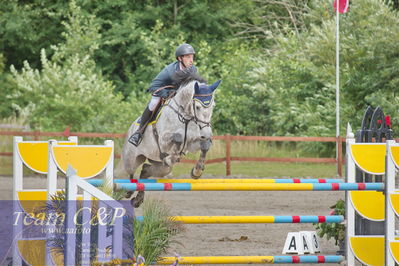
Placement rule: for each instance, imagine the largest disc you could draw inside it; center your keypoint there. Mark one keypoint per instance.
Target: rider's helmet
(184, 49)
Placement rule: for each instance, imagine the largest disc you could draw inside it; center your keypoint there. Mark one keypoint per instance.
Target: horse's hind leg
(155, 169)
(139, 199)
(130, 167)
(129, 193)
(145, 171)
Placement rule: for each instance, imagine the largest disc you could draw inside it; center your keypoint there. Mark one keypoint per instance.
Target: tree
(8, 106)
(68, 90)
(26, 28)
(124, 55)
(298, 80)
(269, 18)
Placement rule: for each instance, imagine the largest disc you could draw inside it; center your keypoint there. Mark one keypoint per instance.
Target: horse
(183, 126)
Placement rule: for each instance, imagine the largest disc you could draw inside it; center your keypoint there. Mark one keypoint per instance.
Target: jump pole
(252, 259)
(254, 219)
(248, 187)
(98, 182)
(237, 260)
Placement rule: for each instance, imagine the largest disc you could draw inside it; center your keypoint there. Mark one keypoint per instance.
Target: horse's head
(203, 104)
(194, 99)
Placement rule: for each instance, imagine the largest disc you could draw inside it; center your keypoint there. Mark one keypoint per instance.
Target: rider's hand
(164, 93)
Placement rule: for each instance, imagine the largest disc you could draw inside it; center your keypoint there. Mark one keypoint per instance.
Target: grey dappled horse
(184, 125)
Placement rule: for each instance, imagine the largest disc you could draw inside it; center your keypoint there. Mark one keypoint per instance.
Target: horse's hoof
(193, 176)
(136, 202)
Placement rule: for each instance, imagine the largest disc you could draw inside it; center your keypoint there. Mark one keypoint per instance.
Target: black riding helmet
(184, 49)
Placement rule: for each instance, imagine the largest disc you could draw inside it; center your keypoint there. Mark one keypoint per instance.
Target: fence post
(339, 156)
(67, 131)
(36, 135)
(227, 138)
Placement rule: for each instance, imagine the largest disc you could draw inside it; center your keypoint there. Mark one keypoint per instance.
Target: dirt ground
(231, 239)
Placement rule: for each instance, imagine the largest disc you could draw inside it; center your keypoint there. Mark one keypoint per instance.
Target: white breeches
(153, 103)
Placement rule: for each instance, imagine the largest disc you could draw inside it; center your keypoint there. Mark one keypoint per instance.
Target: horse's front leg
(174, 142)
(171, 160)
(196, 172)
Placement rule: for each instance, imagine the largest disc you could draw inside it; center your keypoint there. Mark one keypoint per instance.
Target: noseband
(185, 119)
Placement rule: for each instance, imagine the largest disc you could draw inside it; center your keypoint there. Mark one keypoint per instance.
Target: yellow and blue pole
(98, 182)
(249, 186)
(254, 219)
(252, 259)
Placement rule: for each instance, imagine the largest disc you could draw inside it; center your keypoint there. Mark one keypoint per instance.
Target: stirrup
(135, 139)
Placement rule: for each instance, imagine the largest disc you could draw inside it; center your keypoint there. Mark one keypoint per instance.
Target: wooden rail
(226, 138)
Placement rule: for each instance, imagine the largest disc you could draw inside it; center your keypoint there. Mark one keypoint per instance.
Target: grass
(268, 149)
(264, 169)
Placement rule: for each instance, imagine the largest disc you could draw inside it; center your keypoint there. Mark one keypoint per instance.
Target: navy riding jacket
(164, 78)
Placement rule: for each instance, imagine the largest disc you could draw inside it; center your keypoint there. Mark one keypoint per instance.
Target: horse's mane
(183, 77)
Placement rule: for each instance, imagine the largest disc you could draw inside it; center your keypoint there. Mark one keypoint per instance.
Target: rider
(161, 86)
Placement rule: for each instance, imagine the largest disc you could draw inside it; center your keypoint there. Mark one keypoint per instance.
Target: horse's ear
(196, 88)
(215, 85)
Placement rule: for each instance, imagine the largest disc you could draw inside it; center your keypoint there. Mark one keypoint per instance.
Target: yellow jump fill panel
(394, 249)
(394, 150)
(88, 161)
(57, 257)
(33, 252)
(369, 204)
(35, 154)
(394, 200)
(32, 200)
(369, 157)
(369, 250)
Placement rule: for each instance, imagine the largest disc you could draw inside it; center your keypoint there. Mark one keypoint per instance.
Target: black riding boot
(135, 139)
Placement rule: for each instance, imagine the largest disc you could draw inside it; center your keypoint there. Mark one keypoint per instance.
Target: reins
(183, 119)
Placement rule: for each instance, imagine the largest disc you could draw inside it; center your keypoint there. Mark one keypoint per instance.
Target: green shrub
(154, 235)
(333, 230)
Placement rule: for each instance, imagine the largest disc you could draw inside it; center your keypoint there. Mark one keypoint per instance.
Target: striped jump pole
(238, 260)
(99, 182)
(238, 180)
(254, 219)
(252, 259)
(248, 187)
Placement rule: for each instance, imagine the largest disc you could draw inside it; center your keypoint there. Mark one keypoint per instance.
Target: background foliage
(87, 64)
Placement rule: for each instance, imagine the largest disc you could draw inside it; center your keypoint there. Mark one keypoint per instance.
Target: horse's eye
(197, 107)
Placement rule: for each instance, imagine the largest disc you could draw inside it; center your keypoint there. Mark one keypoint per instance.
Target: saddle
(155, 114)
(158, 110)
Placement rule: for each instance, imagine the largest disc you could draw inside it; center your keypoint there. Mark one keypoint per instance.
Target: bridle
(184, 119)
